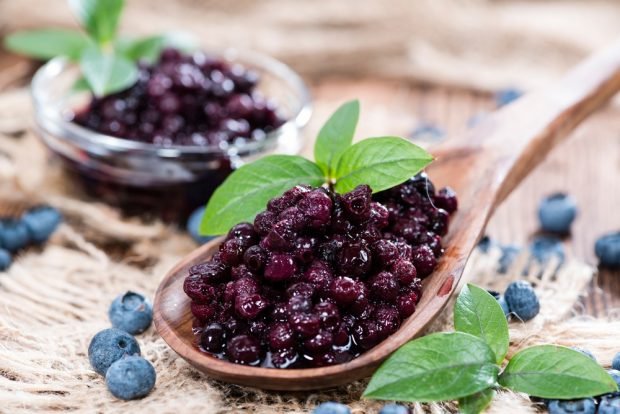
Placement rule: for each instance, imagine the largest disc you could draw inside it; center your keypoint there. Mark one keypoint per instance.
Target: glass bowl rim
(52, 121)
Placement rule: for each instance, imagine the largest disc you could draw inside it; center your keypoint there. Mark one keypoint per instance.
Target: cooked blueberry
(130, 378)
(244, 349)
(607, 249)
(108, 346)
(131, 312)
(213, 338)
(522, 300)
(557, 213)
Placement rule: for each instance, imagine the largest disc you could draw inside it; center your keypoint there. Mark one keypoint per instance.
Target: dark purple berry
(250, 306)
(284, 358)
(264, 222)
(304, 249)
(244, 232)
(320, 276)
(203, 311)
(385, 252)
(446, 199)
(280, 238)
(317, 206)
(210, 271)
(254, 258)
(344, 291)
(213, 338)
(406, 304)
(384, 287)
(299, 304)
(231, 252)
(354, 260)
(280, 336)
(379, 215)
(404, 271)
(328, 315)
(424, 260)
(244, 349)
(280, 267)
(198, 290)
(241, 271)
(357, 203)
(306, 325)
(320, 342)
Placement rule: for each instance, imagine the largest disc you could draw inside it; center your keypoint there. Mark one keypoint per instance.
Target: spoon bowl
(483, 166)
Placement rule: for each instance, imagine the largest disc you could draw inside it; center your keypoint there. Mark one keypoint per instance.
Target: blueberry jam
(319, 278)
(186, 99)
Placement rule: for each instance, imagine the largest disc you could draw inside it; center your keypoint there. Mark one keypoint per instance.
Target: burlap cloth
(54, 299)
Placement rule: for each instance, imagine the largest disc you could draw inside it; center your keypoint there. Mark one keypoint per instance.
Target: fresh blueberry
(108, 346)
(394, 409)
(615, 363)
(13, 234)
(331, 408)
(607, 249)
(522, 300)
(505, 96)
(585, 406)
(584, 351)
(609, 405)
(5, 259)
(427, 131)
(130, 378)
(504, 305)
(509, 254)
(131, 312)
(543, 248)
(557, 212)
(615, 374)
(41, 223)
(485, 244)
(193, 226)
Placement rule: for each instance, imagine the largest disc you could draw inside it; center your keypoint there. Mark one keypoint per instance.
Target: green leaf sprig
(466, 365)
(107, 61)
(380, 163)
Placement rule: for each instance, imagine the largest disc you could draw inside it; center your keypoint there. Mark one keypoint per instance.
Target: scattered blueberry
(522, 300)
(427, 131)
(504, 305)
(615, 374)
(615, 363)
(543, 248)
(557, 212)
(585, 406)
(130, 378)
(108, 346)
(193, 226)
(485, 244)
(394, 409)
(584, 351)
(607, 249)
(5, 259)
(13, 234)
(131, 312)
(505, 96)
(509, 254)
(41, 222)
(331, 408)
(609, 405)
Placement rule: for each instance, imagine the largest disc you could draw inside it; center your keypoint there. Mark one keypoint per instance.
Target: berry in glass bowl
(319, 277)
(163, 145)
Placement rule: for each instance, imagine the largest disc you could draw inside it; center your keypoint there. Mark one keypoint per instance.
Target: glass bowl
(142, 178)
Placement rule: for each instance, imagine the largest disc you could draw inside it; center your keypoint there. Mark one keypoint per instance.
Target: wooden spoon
(483, 166)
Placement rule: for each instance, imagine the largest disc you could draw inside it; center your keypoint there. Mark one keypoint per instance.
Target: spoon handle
(517, 138)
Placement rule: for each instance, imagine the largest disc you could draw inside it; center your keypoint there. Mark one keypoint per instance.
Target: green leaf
(147, 48)
(437, 367)
(247, 190)
(80, 85)
(551, 371)
(99, 17)
(476, 312)
(336, 136)
(379, 162)
(476, 403)
(47, 43)
(106, 72)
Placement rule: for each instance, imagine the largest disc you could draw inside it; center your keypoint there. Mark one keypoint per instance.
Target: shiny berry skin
(404, 271)
(299, 304)
(231, 252)
(244, 349)
(280, 267)
(320, 342)
(245, 286)
(213, 338)
(250, 306)
(301, 289)
(203, 311)
(344, 291)
(304, 249)
(320, 276)
(522, 300)
(240, 272)
(424, 260)
(406, 304)
(305, 324)
(329, 315)
(295, 216)
(357, 203)
(264, 222)
(280, 336)
(280, 238)
(244, 232)
(197, 289)
(379, 215)
(354, 259)
(285, 358)
(385, 252)
(210, 271)
(255, 258)
(387, 320)
(446, 199)
(317, 206)
(384, 287)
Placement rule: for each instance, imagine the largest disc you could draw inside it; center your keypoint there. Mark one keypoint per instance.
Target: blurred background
(426, 69)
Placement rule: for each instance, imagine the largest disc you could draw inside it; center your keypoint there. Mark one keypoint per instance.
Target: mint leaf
(551, 371)
(476, 312)
(437, 367)
(336, 136)
(107, 72)
(47, 43)
(99, 17)
(247, 190)
(476, 403)
(379, 162)
(147, 48)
